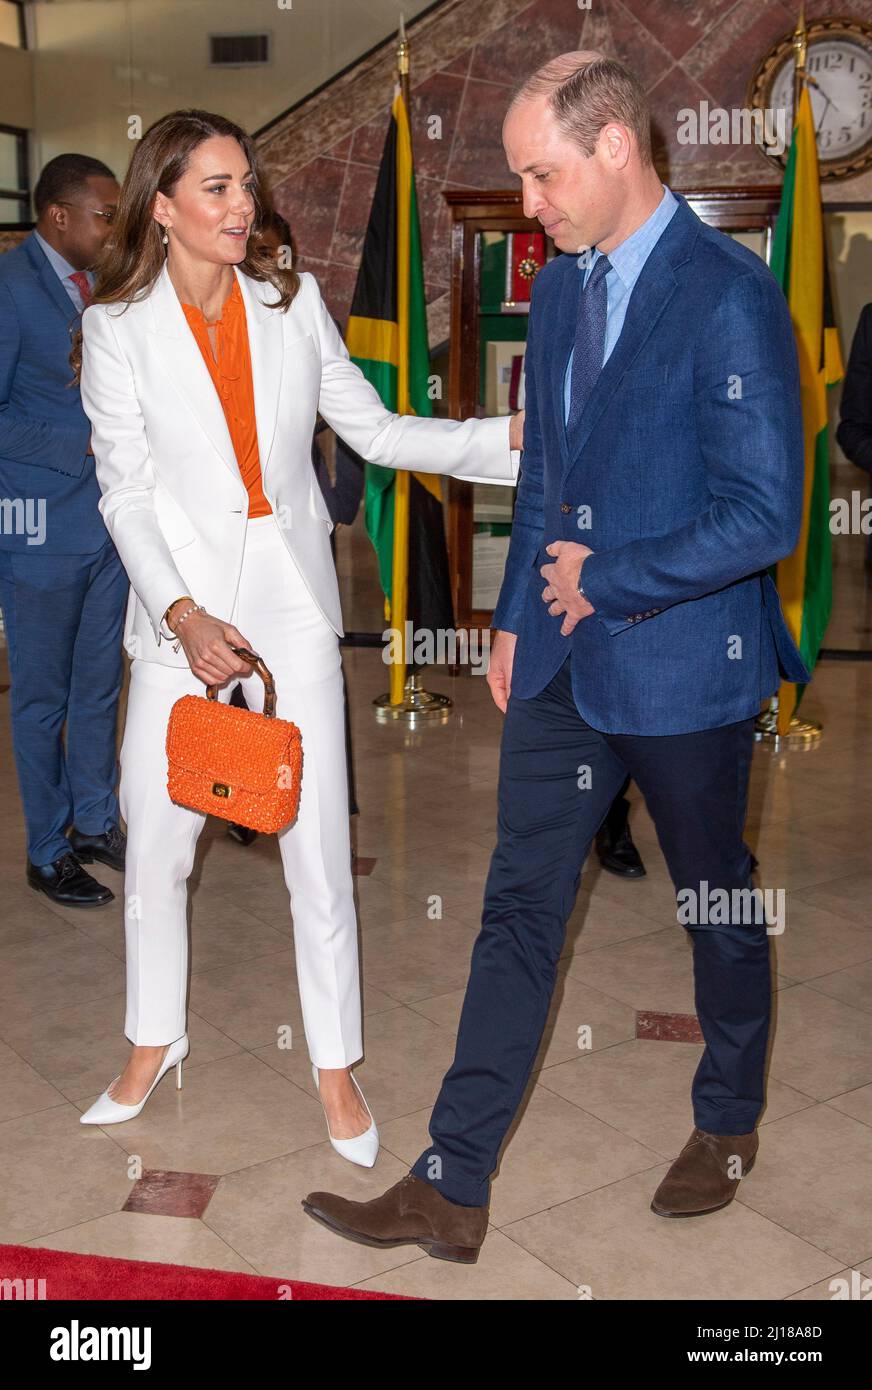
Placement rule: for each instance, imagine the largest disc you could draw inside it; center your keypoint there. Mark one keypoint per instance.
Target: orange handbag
(234, 763)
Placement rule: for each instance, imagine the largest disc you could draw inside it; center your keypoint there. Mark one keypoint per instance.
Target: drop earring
(165, 238)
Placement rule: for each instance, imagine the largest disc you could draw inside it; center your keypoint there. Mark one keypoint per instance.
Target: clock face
(839, 83)
(841, 95)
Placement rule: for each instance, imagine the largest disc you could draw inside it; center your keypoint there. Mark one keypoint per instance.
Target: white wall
(98, 62)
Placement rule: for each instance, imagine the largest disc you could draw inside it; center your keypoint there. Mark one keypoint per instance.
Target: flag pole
(400, 568)
(403, 63)
(769, 723)
(800, 52)
(406, 698)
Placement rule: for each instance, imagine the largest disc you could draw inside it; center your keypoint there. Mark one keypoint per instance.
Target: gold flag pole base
(800, 732)
(418, 705)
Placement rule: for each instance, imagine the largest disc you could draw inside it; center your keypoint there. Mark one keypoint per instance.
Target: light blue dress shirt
(626, 261)
(63, 270)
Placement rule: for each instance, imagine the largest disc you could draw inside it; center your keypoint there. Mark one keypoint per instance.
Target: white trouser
(279, 619)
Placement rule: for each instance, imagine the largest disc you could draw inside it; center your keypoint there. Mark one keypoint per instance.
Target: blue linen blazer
(685, 478)
(44, 431)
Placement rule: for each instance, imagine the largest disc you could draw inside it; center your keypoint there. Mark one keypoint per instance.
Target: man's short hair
(586, 91)
(65, 176)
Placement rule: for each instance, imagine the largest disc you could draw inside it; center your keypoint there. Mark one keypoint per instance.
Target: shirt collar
(628, 259)
(58, 263)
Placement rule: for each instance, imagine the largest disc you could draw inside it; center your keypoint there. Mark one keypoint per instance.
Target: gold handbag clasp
(220, 789)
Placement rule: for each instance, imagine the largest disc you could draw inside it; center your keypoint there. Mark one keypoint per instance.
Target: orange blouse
(231, 375)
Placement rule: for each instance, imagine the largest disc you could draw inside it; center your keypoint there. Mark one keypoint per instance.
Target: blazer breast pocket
(301, 348)
(649, 379)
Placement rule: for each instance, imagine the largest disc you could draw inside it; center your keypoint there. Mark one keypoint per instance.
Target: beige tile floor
(570, 1215)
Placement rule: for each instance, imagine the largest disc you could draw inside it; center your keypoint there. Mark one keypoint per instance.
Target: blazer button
(566, 506)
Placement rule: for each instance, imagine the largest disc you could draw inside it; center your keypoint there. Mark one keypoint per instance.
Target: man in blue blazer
(638, 633)
(62, 585)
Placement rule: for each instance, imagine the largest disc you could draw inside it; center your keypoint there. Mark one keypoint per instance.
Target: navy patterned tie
(590, 340)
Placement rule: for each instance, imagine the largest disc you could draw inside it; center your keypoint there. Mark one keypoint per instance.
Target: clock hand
(814, 83)
(820, 124)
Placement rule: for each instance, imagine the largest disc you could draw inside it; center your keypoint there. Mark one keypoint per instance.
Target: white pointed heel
(106, 1111)
(363, 1148)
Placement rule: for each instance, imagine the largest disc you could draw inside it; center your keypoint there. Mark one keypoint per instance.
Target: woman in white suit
(206, 576)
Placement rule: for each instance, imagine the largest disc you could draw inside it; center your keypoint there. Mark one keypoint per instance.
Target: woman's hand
(207, 642)
(516, 431)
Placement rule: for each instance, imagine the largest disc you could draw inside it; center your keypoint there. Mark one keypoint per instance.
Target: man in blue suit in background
(639, 634)
(63, 588)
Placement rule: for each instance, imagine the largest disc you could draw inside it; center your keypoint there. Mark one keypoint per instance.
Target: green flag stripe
(419, 344)
(383, 376)
(779, 262)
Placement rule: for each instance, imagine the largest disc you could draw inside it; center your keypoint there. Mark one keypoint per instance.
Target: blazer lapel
(183, 363)
(562, 344)
(51, 283)
(651, 293)
(266, 346)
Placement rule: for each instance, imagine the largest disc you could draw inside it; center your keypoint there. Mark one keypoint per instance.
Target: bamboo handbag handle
(260, 666)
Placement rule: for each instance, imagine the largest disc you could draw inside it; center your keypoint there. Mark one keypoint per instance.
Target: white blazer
(173, 498)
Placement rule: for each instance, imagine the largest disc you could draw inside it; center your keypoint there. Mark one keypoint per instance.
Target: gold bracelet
(172, 606)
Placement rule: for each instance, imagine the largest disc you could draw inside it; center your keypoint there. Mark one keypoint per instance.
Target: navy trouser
(64, 616)
(558, 777)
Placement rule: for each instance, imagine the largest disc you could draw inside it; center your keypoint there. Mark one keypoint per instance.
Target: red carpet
(99, 1277)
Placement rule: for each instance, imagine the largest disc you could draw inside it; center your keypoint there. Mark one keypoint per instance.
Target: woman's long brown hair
(134, 254)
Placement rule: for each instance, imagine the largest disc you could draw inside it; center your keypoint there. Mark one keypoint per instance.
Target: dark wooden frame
(730, 209)
(22, 194)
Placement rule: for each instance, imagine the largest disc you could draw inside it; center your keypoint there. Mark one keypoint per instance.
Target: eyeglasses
(98, 212)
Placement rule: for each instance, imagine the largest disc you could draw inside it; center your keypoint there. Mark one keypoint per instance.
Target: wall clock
(839, 64)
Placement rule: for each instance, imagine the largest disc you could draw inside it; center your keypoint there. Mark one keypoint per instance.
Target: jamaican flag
(805, 579)
(387, 338)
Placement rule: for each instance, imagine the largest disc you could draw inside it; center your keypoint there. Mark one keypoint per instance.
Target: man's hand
(562, 578)
(499, 672)
(516, 431)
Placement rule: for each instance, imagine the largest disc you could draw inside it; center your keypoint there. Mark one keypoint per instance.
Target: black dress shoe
(65, 881)
(109, 847)
(614, 843)
(242, 834)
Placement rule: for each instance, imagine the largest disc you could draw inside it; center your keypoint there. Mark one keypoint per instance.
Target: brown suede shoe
(699, 1180)
(412, 1212)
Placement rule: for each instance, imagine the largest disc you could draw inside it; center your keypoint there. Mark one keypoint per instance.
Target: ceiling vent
(238, 50)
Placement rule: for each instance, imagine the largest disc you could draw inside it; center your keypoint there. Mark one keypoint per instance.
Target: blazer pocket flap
(302, 347)
(647, 378)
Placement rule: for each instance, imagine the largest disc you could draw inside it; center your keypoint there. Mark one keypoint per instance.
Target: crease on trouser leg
(161, 844)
